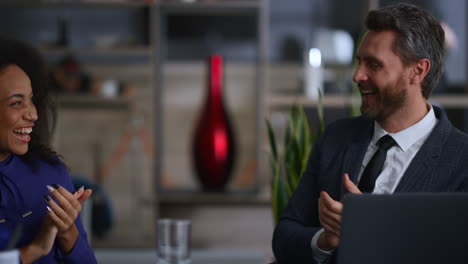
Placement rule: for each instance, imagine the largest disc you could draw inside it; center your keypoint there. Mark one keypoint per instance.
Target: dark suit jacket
(441, 165)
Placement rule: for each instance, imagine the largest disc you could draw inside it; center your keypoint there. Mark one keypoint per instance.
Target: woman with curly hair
(36, 191)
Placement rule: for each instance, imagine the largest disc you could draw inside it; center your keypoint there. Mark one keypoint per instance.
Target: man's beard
(387, 102)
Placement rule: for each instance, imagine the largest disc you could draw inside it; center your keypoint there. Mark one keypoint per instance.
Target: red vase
(214, 144)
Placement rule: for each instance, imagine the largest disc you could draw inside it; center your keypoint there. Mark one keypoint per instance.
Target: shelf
(140, 51)
(172, 4)
(186, 7)
(213, 199)
(136, 55)
(448, 101)
(76, 3)
(328, 100)
(92, 102)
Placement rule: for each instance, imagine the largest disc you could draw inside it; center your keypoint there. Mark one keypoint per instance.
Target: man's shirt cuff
(321, 256)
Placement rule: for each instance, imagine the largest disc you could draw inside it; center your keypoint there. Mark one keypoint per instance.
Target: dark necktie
(375, 165)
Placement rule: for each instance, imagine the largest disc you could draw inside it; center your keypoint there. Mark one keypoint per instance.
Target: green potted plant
(289, 161)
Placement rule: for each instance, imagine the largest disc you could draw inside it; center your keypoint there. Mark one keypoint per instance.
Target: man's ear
(420, 70)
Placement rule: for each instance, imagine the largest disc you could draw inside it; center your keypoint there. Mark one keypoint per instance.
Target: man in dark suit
(401, 143)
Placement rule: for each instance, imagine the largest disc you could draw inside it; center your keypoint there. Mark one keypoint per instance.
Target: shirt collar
(408, 136)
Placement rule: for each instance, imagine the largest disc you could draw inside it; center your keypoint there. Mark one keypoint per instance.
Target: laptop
(407, 228)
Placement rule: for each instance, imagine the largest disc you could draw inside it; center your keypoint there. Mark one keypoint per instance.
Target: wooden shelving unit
(221, 10)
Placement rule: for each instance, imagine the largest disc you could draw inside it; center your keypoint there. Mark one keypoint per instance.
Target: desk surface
(148, 256)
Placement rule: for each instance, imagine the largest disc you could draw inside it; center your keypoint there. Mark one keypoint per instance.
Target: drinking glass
(173, 238)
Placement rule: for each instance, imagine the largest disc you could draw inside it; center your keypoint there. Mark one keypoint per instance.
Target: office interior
(130, 83)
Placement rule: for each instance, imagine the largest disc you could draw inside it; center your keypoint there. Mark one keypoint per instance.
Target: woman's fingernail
(48, 209)
(56, 186)
(47, 198)
(81, 189)
(50, 188)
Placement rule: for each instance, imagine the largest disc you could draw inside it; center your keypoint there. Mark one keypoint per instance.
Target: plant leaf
(271, 137)
(289, 157)
(293, 163)
(304, 139)
(288, 168)
(320, 110)
(279, 194)
(300, 134)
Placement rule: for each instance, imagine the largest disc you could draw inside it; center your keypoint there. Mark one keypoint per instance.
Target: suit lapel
(419, 177)
(354, 154)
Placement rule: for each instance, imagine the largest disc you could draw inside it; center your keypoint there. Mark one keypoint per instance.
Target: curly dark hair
(14, 52)
(420, 37)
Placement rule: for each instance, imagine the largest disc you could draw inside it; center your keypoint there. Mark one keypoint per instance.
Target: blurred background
(130, 82)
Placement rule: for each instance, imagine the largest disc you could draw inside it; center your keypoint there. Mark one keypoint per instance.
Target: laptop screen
(404, 228)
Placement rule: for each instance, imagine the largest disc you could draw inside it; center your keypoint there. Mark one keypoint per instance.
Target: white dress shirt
(409, 141)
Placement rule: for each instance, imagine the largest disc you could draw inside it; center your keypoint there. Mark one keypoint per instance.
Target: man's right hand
(328, 241)
(330, 218)
(330, 213)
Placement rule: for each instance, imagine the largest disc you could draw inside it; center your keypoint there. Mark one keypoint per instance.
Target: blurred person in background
(36, 191)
